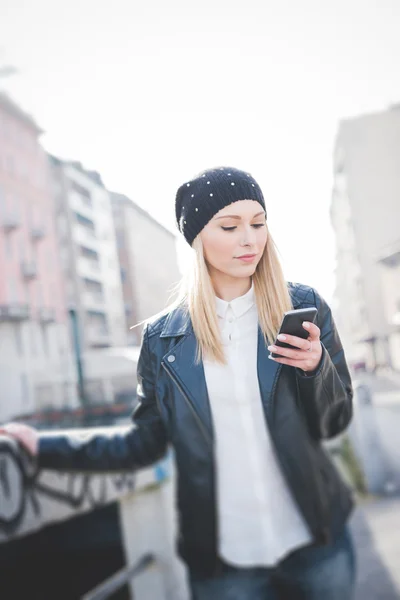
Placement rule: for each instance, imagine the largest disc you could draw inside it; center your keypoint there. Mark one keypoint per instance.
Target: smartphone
(292, 325)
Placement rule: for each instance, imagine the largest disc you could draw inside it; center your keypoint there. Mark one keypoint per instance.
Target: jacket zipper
(190, 404)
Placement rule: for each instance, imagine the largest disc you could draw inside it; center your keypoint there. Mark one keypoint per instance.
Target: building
(148, 262)
(37, 369)
(365, 213)
(89, 255)
(390, 272)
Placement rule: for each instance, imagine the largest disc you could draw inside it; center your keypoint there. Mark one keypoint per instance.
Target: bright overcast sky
(149, 93)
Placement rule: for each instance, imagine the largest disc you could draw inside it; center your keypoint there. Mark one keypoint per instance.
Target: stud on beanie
(198, 200)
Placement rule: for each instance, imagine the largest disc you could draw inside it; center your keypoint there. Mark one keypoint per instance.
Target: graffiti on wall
(23, 489)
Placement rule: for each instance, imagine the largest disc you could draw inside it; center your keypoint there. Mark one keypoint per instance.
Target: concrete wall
(30, 500)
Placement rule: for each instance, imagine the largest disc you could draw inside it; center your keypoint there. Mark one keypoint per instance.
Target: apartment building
(148, 263)
(37, 369)
(89, 255)
(365, 213)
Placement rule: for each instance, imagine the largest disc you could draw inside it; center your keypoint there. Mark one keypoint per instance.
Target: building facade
(365, 214)
(36, 365)
(89, 255)
(148, 263)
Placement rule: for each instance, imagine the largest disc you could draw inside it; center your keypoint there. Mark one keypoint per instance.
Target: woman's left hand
(309, 353)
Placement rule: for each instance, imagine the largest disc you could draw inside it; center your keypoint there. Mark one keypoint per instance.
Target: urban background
(88, 250)
(80, 266)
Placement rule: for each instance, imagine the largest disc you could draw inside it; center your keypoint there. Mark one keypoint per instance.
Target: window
(88, 253)
(87, 223)
(91, 285)
(97, 320)
(83, 193)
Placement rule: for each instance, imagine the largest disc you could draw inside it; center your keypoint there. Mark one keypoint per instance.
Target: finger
(289, 353)
(299, 364)
(295, 341)
(313, 330)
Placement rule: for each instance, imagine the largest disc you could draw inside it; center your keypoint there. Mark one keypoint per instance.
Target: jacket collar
(178, 321)
(191, 377)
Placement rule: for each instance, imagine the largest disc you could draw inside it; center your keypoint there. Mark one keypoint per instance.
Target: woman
(262, 511)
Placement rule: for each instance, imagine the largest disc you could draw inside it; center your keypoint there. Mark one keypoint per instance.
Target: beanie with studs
(198, 200)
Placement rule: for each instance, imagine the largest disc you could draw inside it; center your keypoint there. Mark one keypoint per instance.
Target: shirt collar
(239, 305)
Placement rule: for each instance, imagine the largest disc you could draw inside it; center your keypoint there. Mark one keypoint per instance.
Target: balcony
(37, 233)
(89, 268)
(97, 337)
(93, 301)
(29, 269)
(84, 236)
(46, 315)
(14, 312)
(10, 222)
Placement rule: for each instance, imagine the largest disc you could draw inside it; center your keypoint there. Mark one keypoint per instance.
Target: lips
(247, 256)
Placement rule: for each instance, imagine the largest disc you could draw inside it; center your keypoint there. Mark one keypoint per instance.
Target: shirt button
(230, 320)
(171, 358)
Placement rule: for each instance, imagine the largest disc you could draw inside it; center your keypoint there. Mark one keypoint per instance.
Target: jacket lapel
(181, 363)
(189, 375)
(268, 372)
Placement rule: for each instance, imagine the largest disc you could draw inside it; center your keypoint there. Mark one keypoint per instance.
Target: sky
(150, 93)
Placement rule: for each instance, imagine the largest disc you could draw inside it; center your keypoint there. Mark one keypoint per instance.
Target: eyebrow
(238, 217)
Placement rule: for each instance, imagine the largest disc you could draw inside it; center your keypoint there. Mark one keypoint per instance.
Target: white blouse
(259, 522)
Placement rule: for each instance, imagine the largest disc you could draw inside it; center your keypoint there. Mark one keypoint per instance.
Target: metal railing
(109, 586)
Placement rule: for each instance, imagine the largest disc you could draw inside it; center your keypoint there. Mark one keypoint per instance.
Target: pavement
(376, 531)
(375, 433)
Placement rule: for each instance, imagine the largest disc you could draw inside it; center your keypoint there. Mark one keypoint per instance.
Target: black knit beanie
(198, 200)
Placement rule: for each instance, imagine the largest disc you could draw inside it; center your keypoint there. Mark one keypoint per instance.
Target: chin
(245, 271)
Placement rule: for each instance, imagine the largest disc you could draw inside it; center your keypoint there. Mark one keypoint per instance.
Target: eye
(258, 225)
(228, 228)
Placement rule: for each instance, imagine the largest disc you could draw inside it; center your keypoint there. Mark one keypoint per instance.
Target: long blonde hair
(197, 294)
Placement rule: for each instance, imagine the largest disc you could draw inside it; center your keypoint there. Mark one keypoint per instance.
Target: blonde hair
(195, 294)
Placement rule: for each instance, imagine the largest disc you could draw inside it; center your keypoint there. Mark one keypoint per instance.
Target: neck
(229, 288)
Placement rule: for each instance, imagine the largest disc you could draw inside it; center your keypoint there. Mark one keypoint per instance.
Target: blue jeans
(310, 573)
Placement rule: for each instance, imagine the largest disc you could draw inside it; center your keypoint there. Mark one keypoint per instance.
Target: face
(234, 239)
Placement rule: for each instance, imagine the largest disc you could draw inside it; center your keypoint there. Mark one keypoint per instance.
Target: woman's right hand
(27, 436)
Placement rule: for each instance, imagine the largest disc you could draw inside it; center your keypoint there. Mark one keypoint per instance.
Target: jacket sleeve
(138, 446)
(327, 395)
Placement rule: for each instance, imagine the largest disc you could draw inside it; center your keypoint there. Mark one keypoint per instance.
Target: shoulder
(154, 325)
(169, 323)
(304, 295)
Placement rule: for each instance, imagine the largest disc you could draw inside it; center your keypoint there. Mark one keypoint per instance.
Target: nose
(249, 236)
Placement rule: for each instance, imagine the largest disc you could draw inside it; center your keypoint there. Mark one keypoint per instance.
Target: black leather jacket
(300, 411)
